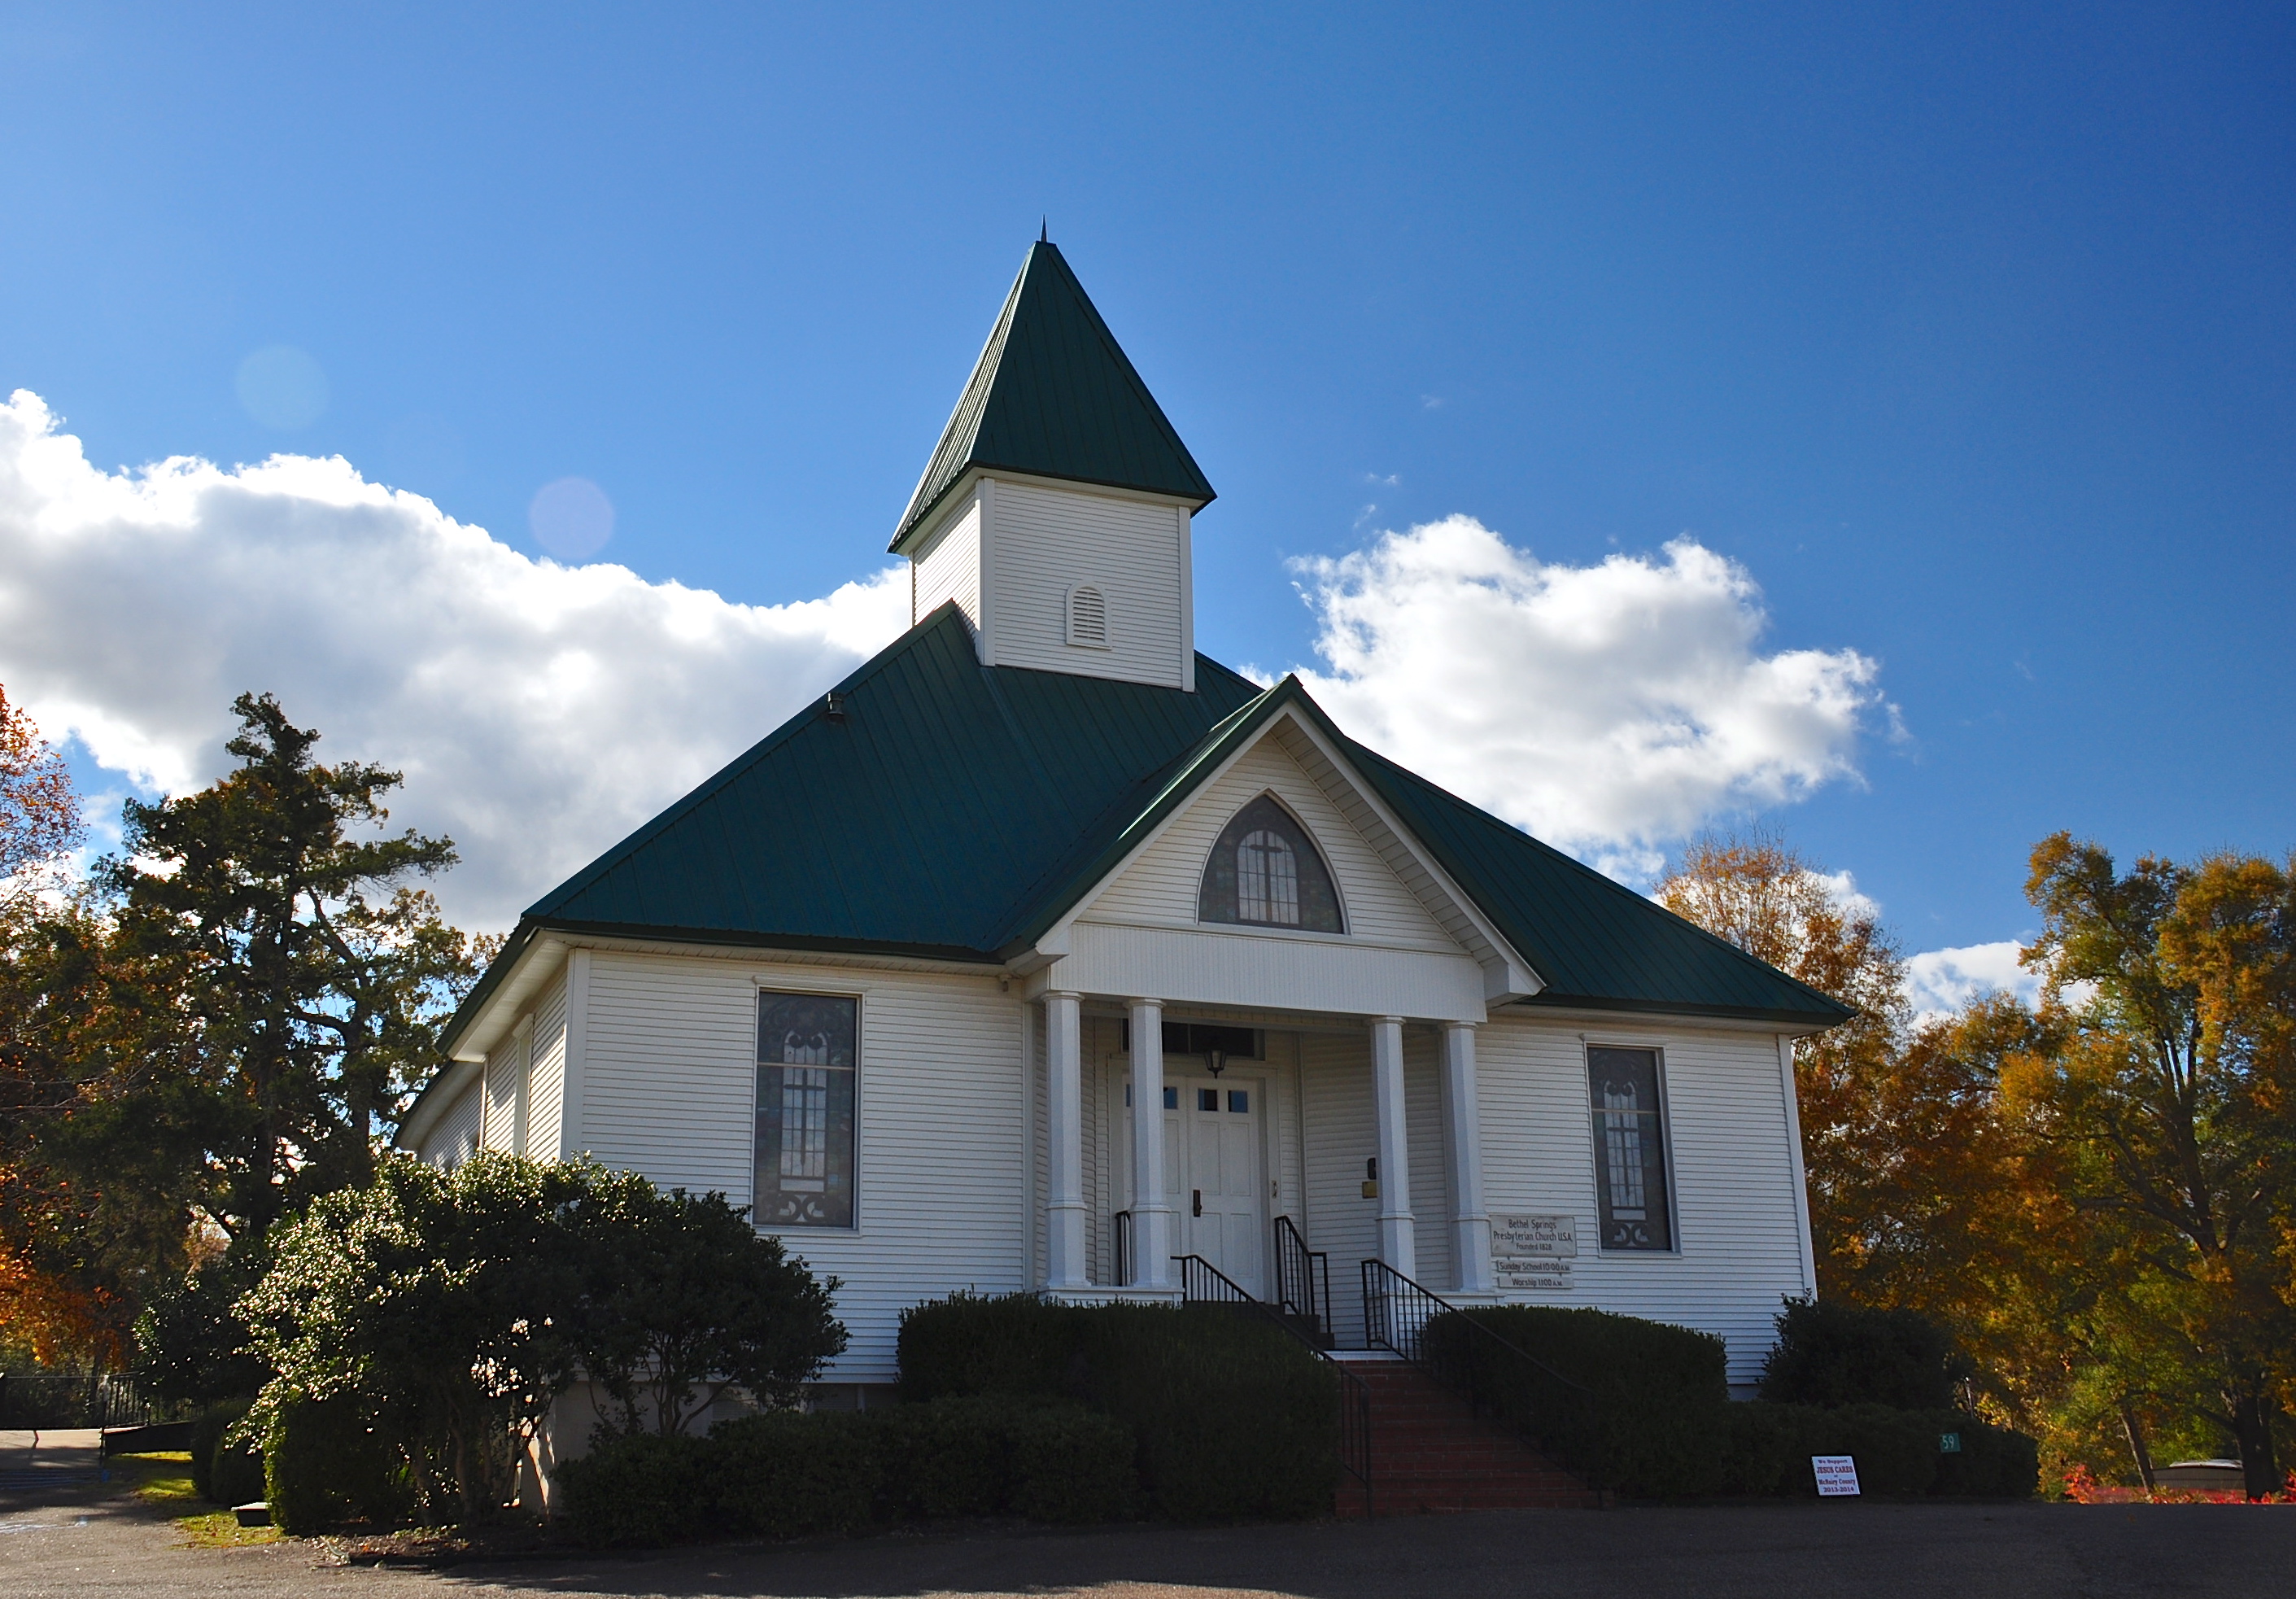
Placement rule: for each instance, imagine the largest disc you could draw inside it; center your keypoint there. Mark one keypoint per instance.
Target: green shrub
(1994, 1463)
(1830, 1354)
(1649, 1409)
(1898, 1452)
(787, 1475)
(323, 1466)
(1232, 1416)
(1235, 1419)
(225, 1470)
(950, 1457)
(1758, 1449)
(1014, 1343)
(999, 1455)
(1071, 1465)
(640, 1489)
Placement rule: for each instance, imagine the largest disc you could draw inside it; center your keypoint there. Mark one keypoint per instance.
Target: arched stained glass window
(1267, 871)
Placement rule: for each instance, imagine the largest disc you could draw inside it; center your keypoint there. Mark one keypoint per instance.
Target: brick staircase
(1429, 1453)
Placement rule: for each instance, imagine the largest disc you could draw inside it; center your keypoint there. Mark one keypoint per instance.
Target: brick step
(1431, 1453)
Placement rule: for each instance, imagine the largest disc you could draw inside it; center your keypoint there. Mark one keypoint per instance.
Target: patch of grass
(222, 1531)
(161, 1478)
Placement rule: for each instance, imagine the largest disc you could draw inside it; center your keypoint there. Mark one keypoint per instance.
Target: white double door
(1215, 1174)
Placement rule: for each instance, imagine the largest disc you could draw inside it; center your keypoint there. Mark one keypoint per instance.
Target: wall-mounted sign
(1551, 1236)
(1949, 1443)
(1549, 1276)
(1837, 1475)
(1534, 1252)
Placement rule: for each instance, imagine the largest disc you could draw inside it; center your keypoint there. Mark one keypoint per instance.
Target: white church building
(1044, 951)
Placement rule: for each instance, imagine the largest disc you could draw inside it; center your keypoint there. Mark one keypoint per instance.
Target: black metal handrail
(1562, 1415)
(60, 1399)
(1122, 1222)
(1204, 1283)
(1303, 1278)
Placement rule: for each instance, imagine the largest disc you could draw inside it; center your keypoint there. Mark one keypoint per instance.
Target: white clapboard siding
(1335, 1083)
(545, 1094)
(1741, 1242)
(950, 567)
(670, 1075)
(498, 1113)
(1043, 542)
(1161, 884)
(454, 1135)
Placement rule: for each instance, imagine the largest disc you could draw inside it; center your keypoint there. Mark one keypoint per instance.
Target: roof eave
(764, 939)
(1801, 1021)
(915, 527)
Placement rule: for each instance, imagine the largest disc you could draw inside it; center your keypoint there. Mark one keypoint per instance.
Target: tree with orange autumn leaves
(2097, 1194)
(47, 1307)
(210, 1029)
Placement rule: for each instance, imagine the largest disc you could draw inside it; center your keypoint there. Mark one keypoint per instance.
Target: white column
(1151, 1208)
(1471, 1224)
(1396, 1245)
(1064, 1213)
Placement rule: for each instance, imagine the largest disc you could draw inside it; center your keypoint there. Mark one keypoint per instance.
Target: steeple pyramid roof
(1054, 396)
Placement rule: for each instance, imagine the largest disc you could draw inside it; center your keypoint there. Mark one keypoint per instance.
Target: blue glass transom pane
(1171, 1099)
(1207, 1099)
(805, 1070)
(1239, 1102)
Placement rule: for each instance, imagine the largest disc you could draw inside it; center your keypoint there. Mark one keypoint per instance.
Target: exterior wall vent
(1088, 617)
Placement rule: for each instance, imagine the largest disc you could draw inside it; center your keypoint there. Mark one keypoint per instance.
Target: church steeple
(1054, 396)
(1055, 511)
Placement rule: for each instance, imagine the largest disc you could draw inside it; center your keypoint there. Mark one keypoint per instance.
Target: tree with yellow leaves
(2170, 1110)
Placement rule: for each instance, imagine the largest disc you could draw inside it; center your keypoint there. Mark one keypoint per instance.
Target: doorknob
(1199, 1200)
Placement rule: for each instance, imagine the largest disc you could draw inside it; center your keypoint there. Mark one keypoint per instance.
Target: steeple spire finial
(1044, 229)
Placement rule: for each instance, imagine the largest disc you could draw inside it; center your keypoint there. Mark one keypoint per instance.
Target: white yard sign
(1534, 1252)
(1837, 1475)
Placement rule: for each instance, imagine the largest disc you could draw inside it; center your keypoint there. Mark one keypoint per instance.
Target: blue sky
(1967, 332)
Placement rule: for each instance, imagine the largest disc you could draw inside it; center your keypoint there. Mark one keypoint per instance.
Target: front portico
(1365, 1134)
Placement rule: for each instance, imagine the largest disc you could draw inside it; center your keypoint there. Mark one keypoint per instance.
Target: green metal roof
(957, 811)
(1054, 395)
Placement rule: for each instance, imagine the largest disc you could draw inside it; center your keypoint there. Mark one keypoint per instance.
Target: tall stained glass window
(1629, 1149)
(807, 1050)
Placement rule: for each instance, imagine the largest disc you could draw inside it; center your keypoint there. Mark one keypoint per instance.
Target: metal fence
(61, 1399)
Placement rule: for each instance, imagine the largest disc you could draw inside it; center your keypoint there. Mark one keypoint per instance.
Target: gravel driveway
(85, 1540)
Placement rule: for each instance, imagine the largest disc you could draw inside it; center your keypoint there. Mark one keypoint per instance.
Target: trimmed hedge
(1655, 1425)
(1234, 1419)
(225, 1471)
(323, 1466)
(1668, 1428)
(786, 1475)
(1831, 1354)
(1898, 1451)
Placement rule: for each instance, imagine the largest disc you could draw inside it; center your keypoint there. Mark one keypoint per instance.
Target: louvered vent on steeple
(1088, 617)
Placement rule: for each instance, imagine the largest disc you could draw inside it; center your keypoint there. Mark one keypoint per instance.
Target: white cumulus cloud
(539, 711)
(1940, 981)
(1608, 708)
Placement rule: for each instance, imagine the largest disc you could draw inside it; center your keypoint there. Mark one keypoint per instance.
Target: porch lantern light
(1216, 1060)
